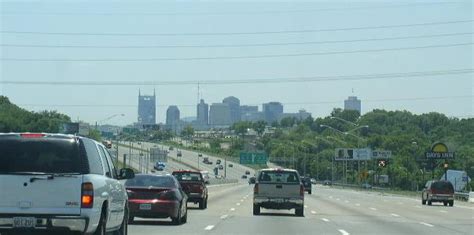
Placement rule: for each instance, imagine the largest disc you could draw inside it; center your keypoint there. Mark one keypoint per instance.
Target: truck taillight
(87, 195)
(301, 190)
(255, 189)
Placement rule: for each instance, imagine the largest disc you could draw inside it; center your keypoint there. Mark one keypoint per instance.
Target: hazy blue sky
(449, 94)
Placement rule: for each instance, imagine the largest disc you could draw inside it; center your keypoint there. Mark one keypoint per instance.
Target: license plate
(24, 222)
(145, 206)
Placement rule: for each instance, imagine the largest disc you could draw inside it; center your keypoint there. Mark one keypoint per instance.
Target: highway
(327, 211)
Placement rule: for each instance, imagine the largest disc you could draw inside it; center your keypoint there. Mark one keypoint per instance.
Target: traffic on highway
(265, 117)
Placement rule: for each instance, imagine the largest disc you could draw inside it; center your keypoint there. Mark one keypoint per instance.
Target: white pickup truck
(278, 189)
(60, 182)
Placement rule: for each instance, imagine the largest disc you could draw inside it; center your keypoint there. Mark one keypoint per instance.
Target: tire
(445, 203)
(429, 203)
(177, 220)
(205, 204)
(309, 192)
(201, 204)
(130, 219)
(102, 224)
(124, 227)
(299, 211)
(451, 203)
(185, 217)
(256, 210)
(423, 202)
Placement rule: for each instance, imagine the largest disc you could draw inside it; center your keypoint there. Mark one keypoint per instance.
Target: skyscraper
(172, 118)
(272, 111)
(234, 105)
(146, 109)
(352, 103)
(219, 115)
(250, 113)
(202, 114)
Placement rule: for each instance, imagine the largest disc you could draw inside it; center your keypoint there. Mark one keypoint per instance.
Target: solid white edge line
(372, 208)
(395, 215)
(343, 232)
(426, 224)
(209, 227)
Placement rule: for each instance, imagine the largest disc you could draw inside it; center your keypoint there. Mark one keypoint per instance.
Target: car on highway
(179, 154)
(193, 184)
(278, 188)
(205, 176)
(438, 191)
(306, 181)
(247, 172)
(107, 144)
(327, 183)
(252, 180)
(159, 166)
(218, 161)
(60, 182)
(156, 196)
(231, 165)
(221, 167)
(199, 154)
(244, 177)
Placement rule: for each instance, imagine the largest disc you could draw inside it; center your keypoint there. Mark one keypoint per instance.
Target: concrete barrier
(213, 181)
(471, 197)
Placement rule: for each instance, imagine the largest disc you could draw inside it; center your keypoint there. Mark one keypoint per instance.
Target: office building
(272, 111)
(202, 114)
(234, 106)
(146, 109)
(250, 113)
(219, 115)
(352, 103)
(300, 115)
(172, 118)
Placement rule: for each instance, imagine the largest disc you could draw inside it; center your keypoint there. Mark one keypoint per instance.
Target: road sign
(253, 158)
(352, 154)
(381, 154)
(439, 151)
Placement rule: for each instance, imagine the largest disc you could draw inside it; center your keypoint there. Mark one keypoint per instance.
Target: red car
(438, 191)
(193, 184)
(156, 196)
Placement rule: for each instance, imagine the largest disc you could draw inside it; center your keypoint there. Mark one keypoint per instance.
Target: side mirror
(126, 173)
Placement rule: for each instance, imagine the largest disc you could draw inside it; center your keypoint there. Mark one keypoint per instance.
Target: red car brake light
(32, 135)
(87, 195)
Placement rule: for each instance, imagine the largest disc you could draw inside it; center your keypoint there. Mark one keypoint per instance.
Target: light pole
(344, 120)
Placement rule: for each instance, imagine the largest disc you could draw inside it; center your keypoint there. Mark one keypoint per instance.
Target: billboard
(381, 154)
(353, 154)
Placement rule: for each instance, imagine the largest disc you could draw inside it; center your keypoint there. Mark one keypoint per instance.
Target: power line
(229, 13)
(286, 104)
(238, 33)
(235, 45)
(245, 81)
(232, 57)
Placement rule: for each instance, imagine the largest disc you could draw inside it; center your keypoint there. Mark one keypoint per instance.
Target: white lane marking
(210, 227)
(238, 204)
(343, 232)
(242, 200)
(232, 209)
(338, 199)
(357, 204)
(346, 201)
(224, 216)
(324, 219)
(372, 208)
(395, 215)
(313, 212)
(426, 224)
(443, 211)
(305, 206)
(330, 197)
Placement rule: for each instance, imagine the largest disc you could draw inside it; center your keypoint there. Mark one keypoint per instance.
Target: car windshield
(284, 177)
(151, 181)
(39, 155)
(185, 176)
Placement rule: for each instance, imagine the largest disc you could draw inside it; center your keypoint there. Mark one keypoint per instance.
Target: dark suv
(307, 184)
(438, 191)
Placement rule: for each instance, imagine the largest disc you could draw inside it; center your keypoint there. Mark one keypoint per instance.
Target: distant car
(171, 148)
(307, 184)
(247, 172)
(156, 196)
(179, 154)
(159, 166)
(313, 181)
(252, 180)
(231, 165)
(193, 184)
(107, 144)
(366, 186)
(199, 154)
(218, 161)
(327, 182)
(221, 167)
(278, 189)
(244, 176)
(205, 176)
(438, 191)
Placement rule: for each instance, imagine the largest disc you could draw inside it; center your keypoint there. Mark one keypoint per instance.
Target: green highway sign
(253, 158)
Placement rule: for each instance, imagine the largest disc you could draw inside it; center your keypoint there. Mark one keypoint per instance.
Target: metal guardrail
(461, 196)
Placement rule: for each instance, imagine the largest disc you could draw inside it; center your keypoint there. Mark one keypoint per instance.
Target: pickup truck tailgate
(279, 190)
(40, 194)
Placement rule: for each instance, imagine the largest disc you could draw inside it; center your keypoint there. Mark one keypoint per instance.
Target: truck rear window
(187, 176)
(39, 156)
(279, 177)
(443, 186)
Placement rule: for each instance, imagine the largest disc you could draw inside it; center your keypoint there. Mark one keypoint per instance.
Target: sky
(103, 43)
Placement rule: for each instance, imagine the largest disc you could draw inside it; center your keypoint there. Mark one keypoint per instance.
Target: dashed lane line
(395, 215)
(209, 227)
(343, 232)
(238, 204)
(443, 211)
(372, 208)
(313, 212)
(324, 219)
(426, 224)
(357, 204)
(232, 209)
(224, 216)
